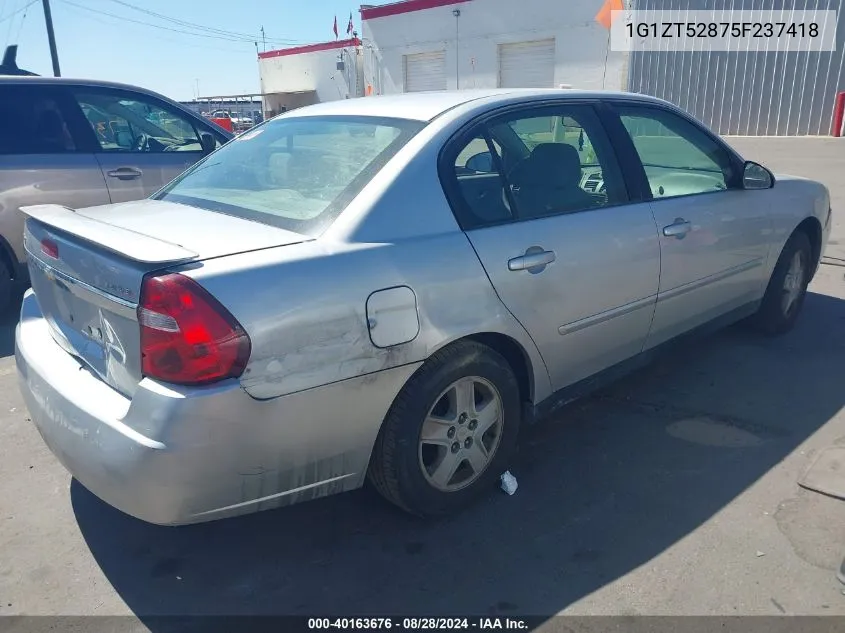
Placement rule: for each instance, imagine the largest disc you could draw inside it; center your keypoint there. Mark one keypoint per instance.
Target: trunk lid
(87, 267)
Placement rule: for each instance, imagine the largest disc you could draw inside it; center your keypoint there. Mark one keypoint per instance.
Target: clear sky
(111, 40)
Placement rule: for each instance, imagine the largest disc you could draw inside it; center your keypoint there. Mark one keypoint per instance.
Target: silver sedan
(388, 288)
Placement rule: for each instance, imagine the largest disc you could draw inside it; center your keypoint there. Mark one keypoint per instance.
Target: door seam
(496, 292)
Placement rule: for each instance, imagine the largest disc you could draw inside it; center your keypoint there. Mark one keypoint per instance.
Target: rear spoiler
(129, 244)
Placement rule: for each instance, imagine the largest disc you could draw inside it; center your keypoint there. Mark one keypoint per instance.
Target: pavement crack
(778, 605)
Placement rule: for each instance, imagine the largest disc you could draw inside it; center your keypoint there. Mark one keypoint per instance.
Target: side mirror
(755, 176)
(482, 162)
(208, 142)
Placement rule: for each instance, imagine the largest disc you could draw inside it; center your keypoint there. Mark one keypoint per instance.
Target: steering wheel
(140, 143)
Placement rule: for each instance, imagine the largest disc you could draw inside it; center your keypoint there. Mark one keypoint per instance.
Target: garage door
(425, 71)
(527, 64)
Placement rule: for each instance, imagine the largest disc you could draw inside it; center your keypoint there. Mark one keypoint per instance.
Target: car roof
(92, 83)
(425, 106)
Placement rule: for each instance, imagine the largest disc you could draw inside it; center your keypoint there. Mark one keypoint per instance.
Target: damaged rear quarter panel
(304, 307)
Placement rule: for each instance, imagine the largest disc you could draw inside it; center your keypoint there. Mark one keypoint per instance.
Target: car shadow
(606, 486)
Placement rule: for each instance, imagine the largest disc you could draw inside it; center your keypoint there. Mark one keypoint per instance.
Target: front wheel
(787, 287)
(450, 432)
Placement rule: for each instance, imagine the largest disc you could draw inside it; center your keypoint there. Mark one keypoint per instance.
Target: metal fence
(240, 108)
(758, 91)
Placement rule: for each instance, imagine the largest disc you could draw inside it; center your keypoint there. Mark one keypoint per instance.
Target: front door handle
(679, 229)
(535, 260)
(125, 173)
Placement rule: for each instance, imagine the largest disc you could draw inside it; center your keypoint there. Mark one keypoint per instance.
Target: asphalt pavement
(673, 493)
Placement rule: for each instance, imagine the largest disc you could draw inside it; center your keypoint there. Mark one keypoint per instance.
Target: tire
(7, 289)
(412, 454)
(779, 310)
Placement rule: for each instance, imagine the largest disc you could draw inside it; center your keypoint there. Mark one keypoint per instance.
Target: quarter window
(679, 158)
(124, 123)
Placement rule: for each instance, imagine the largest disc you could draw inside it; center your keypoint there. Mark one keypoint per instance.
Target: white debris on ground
(509, 483)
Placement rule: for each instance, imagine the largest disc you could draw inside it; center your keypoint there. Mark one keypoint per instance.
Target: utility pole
(51, 38)
(457, 14)
(264, 39)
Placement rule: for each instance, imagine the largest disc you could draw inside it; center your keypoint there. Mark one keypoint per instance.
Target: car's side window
(560, 149)
(545, 161)
(133, 123)
(679, 159)
(475, 157)
(479, 181)
(33, 122)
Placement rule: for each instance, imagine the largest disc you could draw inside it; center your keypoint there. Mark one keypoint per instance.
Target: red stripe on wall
(371, 13)
(310, 48)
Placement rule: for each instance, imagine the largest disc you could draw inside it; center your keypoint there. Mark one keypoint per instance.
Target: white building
(417, 45)
(442, 44)
(447, 44)
(302, 75)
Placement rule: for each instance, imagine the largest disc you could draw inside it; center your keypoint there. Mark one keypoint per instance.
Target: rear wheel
(787, 287)
(7, 288)
(450, 432)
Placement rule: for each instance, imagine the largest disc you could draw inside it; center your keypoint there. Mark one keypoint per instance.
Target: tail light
(187, 336)
(50, 248)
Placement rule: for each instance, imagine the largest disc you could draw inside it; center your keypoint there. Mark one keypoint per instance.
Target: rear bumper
(175, 455)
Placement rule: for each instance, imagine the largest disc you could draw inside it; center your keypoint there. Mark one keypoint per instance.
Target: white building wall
(309, 74)
(471, 42)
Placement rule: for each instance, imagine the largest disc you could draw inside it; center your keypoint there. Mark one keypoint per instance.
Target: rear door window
(35, 120)
(543, 161)
(477, 173)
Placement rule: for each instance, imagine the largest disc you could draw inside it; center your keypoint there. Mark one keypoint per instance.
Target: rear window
(294, 173)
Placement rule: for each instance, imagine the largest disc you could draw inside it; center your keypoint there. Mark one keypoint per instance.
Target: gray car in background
(86, 143)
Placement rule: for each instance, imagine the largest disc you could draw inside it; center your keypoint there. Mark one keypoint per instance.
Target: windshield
(297, 173)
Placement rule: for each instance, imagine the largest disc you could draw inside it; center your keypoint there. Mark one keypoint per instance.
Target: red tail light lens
(187, 336)
(50, 248)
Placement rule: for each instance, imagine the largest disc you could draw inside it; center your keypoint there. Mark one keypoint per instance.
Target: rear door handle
(125, 173)
(679, 229)
(535, 260)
